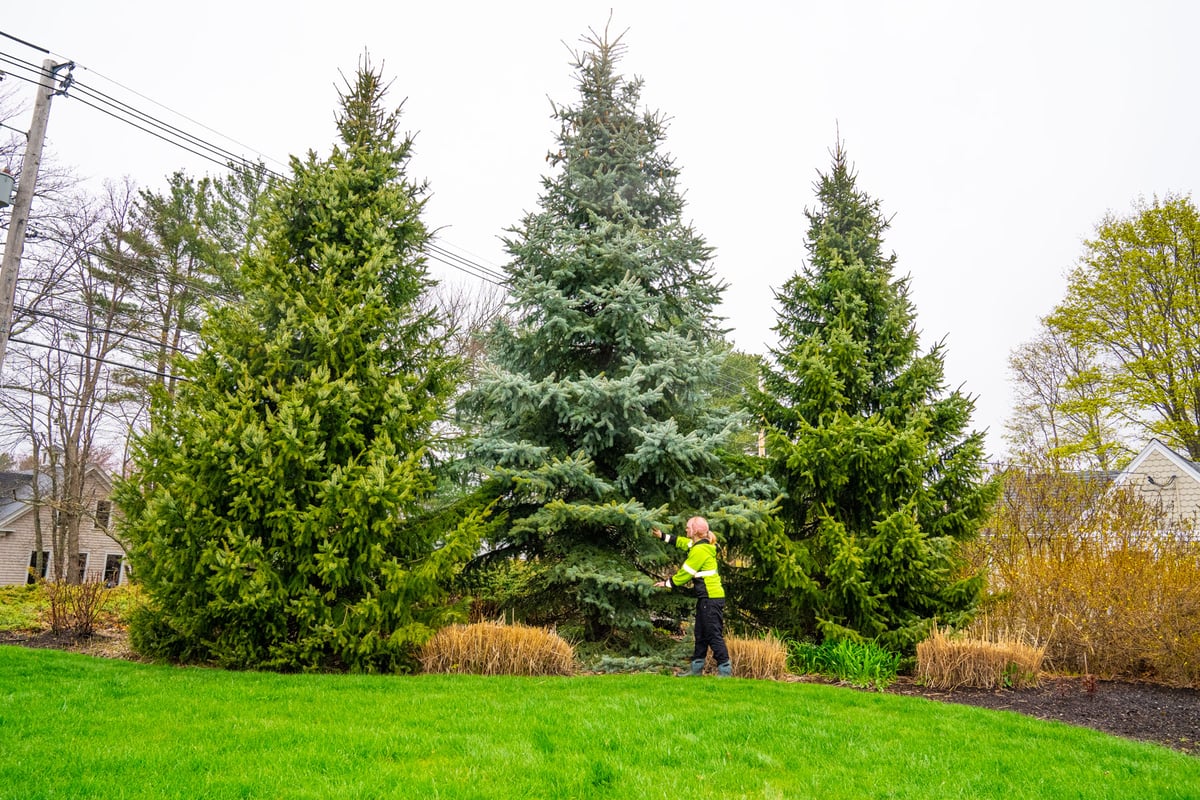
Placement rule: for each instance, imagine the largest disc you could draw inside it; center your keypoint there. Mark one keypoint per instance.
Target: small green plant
(35, 607)
(866, 665)
(617, 665)
(1015, 677)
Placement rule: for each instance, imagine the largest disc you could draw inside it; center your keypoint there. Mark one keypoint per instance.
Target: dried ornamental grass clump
(946, 663)
(764, 658)
(490, 648)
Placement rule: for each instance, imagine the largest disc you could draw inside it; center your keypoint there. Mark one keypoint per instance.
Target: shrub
(1094, 574)
(862, 664)
(609, 664)
(764, 658)
(74, 608)
(488, 648)
(948, 663)
(21, 607)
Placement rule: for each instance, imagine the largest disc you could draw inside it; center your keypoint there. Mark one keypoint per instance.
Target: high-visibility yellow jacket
(700, 567)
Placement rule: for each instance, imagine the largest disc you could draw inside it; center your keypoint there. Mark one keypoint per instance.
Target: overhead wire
(147, 123)
(124, 112)
(443, 256)
(36, 70)
(86, 326)
(171, 134)
(198, 288)
(165, 132)
(259, 153)
(86, 357)
(27, 44)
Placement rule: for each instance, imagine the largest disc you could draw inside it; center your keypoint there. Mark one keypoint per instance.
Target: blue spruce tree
(595, 414)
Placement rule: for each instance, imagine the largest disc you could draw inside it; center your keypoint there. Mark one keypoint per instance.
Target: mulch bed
(1143, 711)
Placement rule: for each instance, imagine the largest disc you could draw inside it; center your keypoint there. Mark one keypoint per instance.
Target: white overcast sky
(996, 134)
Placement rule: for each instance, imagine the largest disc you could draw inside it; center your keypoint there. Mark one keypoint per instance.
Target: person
(700, 569)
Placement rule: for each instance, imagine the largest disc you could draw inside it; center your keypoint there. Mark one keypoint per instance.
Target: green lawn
(74, 726)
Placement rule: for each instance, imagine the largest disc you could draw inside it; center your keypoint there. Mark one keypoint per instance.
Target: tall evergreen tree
(595, 411)
(277, 515)
(882, 479)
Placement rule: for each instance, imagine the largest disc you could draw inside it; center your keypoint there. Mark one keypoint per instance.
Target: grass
(77, 727)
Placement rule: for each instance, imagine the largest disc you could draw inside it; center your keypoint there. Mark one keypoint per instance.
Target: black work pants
(710, 630)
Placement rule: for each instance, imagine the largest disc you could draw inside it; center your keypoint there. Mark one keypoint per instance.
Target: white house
(1167, 480)
(100, 555)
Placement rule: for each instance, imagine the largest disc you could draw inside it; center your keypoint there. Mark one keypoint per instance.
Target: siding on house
(1161, 476)
(17, 530)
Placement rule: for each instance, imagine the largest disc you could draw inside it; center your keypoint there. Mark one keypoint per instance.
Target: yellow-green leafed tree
(1134, 300)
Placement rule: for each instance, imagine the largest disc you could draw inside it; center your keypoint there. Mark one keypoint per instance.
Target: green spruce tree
(278, 515)
(882, 479)
(595, 413)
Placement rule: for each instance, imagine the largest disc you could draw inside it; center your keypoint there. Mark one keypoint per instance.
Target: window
(83, 566)
(103, 513)
(112, 569)
(34, 572)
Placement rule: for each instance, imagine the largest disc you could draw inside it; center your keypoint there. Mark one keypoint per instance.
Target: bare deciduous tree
(1062, 414)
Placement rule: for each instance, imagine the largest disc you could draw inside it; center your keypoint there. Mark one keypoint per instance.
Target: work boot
(697, 669)
(725, 670)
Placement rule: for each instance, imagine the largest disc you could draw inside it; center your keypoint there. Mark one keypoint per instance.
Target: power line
(264, 156)
(90, 328)
(244, 166)
(199, 288)
(27, 44)
(124, 112)
(463, 265)
(21, 65)
(96, 92)
(147, 123)
(86, 357)
(165, 127)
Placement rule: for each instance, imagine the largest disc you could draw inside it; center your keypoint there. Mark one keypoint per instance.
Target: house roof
(16, 492)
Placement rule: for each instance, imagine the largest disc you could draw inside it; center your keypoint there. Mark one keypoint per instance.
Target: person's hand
(661, 585)
(657, 533)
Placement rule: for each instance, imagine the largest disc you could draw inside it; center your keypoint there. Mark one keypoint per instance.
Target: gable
(1156, 464)
(16, 492)
(1160, 475)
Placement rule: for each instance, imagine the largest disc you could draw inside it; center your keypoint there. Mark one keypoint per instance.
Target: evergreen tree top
(848, 224)
(363, 121)
(846, 316)
(608, 147)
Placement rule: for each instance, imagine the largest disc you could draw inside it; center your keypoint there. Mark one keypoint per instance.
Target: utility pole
(23, 202)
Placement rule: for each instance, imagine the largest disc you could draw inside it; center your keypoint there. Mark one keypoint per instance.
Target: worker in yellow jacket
(700, 569)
